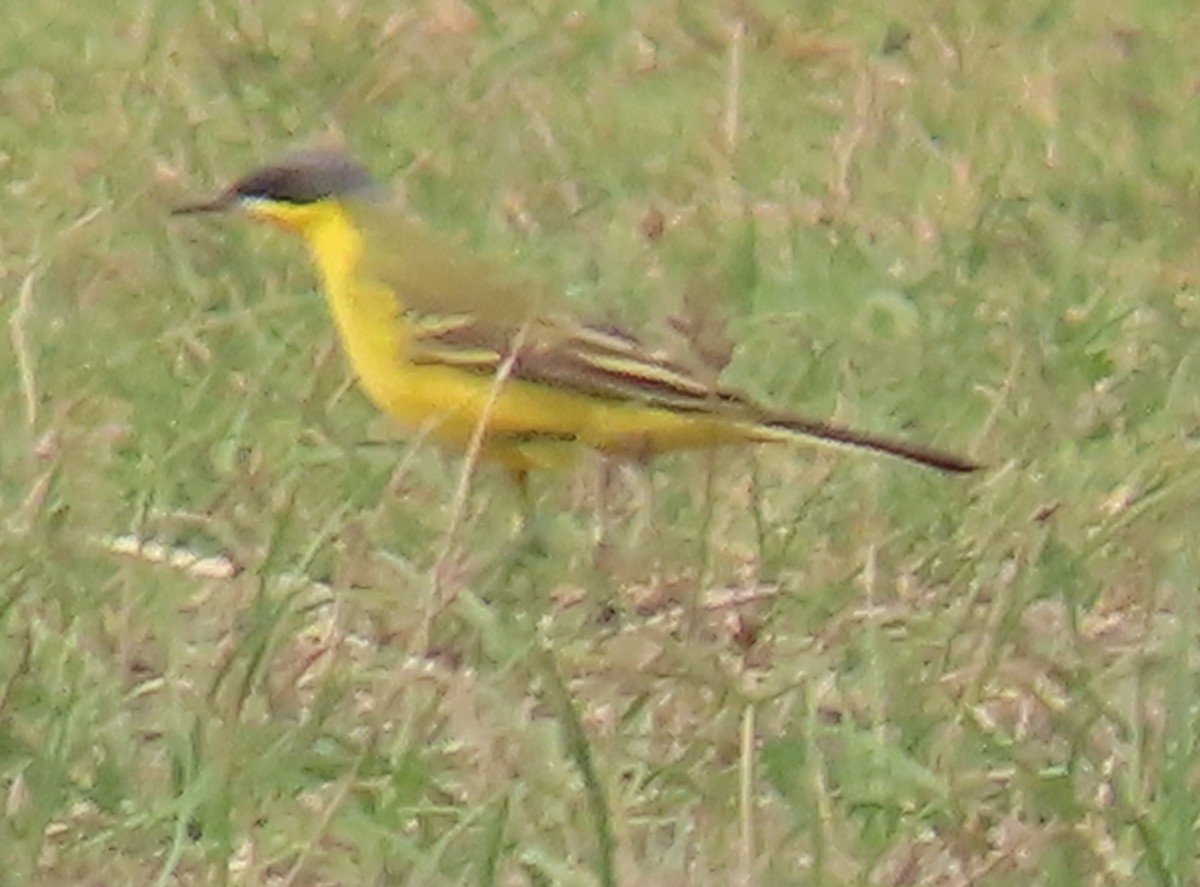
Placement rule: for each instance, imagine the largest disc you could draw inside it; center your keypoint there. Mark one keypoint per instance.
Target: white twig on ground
(20, 342)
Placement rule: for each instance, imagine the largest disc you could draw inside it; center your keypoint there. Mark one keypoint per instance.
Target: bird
(462, 349)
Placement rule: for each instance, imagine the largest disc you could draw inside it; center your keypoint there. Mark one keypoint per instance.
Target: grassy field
(251, 635)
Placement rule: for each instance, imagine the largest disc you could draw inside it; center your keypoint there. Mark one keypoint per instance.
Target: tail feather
(837, 435)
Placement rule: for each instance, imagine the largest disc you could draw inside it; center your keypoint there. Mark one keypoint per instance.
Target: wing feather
(593, 361)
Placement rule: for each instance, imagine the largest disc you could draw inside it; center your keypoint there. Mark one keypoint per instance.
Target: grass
(975, 226)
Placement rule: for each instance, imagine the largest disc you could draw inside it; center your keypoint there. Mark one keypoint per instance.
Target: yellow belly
(529, 425)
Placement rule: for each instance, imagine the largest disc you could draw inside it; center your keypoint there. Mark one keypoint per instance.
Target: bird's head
(295, 192)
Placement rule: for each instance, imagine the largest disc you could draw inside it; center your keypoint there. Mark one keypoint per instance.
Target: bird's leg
(603, 551)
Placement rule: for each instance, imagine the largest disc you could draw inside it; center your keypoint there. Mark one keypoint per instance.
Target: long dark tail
(835, 435)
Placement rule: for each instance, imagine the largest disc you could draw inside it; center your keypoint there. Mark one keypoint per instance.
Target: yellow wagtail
(445, 341)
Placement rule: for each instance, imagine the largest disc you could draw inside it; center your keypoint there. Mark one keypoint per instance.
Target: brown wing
(592, 361)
